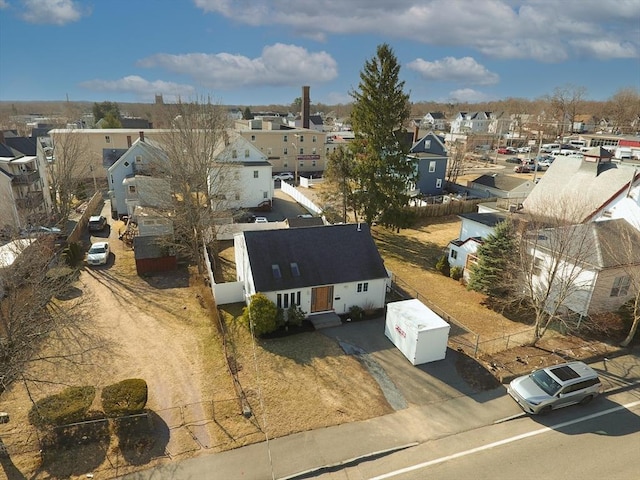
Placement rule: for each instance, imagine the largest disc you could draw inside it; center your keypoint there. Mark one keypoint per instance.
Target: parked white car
(526, 149)
(261, 220)
(284, 176)
(98, 253)
(555, 387)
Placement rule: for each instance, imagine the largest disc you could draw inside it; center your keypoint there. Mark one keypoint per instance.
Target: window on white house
(234, 154)
(301, 138)
(620, 286)
(454, 254)
(313, 150)
(246, 153)
(255, 174)
(432, 167)
(285, 138)
(362, 287)
(253, 138)
(313, 139)
(132, 189)
(107, 139)
(265, 195)
(285, 151)
(536, 268)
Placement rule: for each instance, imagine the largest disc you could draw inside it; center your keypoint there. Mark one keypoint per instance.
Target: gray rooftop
(325, 255)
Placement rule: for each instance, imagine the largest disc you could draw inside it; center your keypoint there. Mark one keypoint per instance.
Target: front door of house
(321, 299)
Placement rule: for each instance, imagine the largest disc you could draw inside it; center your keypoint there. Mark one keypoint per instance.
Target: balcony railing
(26, 178)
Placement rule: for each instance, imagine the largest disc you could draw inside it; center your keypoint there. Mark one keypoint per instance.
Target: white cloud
(545, 30)
(468, 95)
(449, 69)
(54, 12)
(279, 64)
(142, 88)
(3, 4)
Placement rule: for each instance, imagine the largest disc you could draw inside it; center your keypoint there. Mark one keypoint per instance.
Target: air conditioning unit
(513, 208)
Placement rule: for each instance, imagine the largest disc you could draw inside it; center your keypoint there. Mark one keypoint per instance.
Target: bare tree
(624, 247)
(622, 108)
(565, 103)
(70, 165)
(455, 165)
(197, 173)
(339, 180)
(34, 310)
(554, 265)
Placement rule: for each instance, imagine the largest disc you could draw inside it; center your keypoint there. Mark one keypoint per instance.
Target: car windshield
(99, 249)
(545, 382)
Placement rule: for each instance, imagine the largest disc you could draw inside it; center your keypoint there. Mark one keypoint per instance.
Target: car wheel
(545, 410)
(586, 400)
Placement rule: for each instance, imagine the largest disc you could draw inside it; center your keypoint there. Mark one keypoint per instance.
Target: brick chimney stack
(306, 104)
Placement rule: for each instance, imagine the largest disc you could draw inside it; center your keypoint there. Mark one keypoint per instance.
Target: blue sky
(257, 52)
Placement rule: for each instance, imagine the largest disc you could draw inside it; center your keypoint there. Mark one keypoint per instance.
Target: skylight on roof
(275, 269)
(295, 271)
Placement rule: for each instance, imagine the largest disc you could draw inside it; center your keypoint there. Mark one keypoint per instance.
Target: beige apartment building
(102, 146)
(300, 150)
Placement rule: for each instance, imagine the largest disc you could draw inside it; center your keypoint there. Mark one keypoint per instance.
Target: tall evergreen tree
(492, 274)
(382, 170)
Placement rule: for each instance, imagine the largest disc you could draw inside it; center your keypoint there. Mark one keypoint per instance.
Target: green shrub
(456, 273)
(69, 406)
(124, 398)
(443, 266)
(295, 315)
(356, 313)
(261, 313)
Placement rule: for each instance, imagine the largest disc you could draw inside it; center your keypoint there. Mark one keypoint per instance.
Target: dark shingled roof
(24, 145)
(325, 255)
(501, 182)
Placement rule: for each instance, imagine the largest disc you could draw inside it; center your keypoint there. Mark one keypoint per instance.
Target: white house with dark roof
(241, 176)
(434, 120)
(136, 178)
(321, 268)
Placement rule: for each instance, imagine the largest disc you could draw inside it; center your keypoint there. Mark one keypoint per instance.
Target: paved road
(599, 442)
(463, 422)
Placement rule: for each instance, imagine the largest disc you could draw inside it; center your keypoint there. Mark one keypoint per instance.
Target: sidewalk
(292, 456)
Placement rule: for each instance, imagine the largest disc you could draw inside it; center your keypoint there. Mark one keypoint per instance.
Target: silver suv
(555, 387)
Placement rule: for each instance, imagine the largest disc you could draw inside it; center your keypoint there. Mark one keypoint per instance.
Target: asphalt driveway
(404, 384)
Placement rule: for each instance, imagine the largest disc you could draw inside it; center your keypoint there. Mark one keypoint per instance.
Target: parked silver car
(555, 387)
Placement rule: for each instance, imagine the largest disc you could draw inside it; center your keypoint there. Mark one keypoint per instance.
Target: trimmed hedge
(125, 398)
(69, 406)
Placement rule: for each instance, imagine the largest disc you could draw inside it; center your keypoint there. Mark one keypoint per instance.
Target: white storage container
(418, 332)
